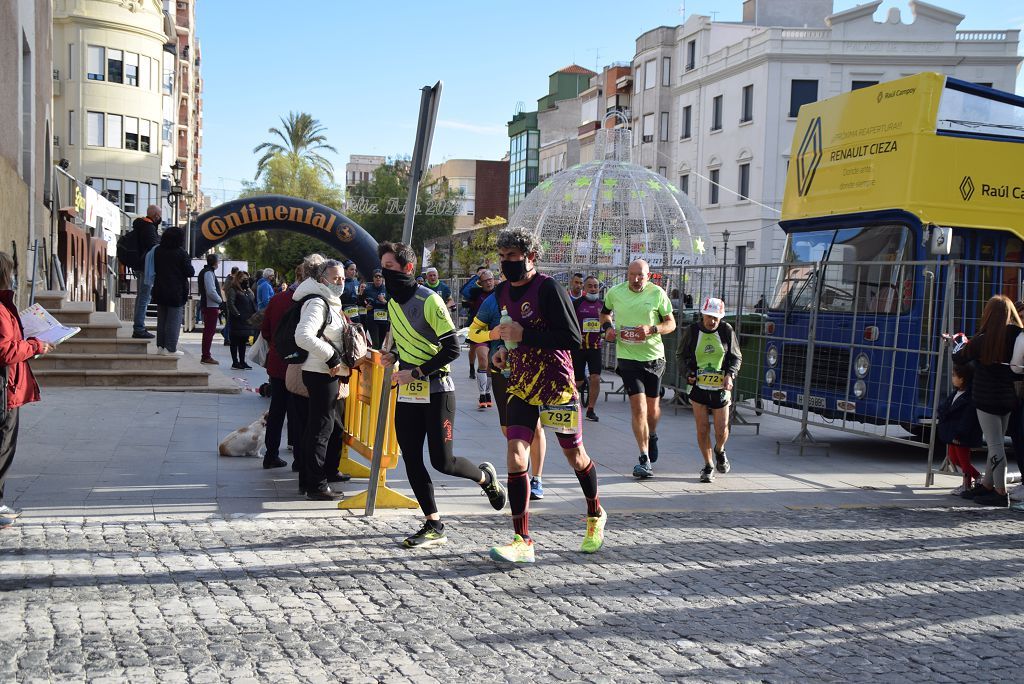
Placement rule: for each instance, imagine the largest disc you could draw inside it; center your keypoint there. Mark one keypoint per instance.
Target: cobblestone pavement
(867, 594)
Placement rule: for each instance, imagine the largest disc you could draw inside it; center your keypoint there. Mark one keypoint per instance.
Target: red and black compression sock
(588, 483)
(519, 502)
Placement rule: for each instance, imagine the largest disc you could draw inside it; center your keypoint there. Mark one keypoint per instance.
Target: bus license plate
(816, 402)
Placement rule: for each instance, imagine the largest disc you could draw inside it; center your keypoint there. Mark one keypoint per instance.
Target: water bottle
(509, 345)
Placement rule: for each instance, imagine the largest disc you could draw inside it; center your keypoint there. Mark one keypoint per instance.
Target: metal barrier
(362, 415)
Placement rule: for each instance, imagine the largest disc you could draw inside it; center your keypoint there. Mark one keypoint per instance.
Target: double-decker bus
(892, 191)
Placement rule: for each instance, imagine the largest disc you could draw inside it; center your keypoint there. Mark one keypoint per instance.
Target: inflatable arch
(277, 212)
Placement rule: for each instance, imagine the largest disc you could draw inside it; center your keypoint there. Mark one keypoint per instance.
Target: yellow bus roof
(876, 149)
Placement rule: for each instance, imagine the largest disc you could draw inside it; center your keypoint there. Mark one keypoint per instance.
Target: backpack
(284, 336)
(128, 250)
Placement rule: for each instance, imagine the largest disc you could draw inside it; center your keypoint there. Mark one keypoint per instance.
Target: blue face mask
(592, 297)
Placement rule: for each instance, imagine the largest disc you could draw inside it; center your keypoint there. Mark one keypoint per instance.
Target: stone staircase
(104, 354)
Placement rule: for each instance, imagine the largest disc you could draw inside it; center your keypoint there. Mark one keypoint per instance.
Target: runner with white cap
(710, 353)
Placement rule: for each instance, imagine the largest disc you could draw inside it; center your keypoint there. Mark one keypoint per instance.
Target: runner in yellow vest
(710, 352)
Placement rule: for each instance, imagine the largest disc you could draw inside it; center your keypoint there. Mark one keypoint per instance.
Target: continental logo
(216, 227)
(808, 157)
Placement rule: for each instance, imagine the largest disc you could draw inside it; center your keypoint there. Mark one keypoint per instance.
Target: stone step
(120, 378)
(51, 299)
(98, 331)
(83, 361)
(120, 345)
(73, 318)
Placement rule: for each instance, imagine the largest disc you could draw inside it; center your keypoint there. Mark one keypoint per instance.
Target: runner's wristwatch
(416, 373)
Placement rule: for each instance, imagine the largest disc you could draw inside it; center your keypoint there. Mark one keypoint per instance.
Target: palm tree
(303, 137)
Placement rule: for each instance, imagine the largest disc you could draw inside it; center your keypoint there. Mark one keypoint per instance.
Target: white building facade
(715, 103)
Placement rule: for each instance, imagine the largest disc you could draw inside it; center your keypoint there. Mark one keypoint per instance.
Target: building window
(741, 261)
(747, 109)
(113, 192)
(691, 54)
(131, 197)
(114, 131)
(115, 66)
(96, 129)
(713, 186)
(72, 127)
(857, 85)
(145, 72)
(662, 171)
(716, 113)
(131, 68)
(165, 131)
(95, 64)
(636, 80)
(144, 135)
(801, 92)
(648, 131)
(666, 71)
(145, 197)
(95, 183)
(663, 133)
(131, 133)
(687, 121)
(744, 181)
(684, 184)
(650, 74)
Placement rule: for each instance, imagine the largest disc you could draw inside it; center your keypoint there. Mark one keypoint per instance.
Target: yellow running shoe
(594, 540)
(519, 551)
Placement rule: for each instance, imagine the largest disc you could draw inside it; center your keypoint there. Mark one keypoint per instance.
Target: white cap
(431, 270)
(713, 307)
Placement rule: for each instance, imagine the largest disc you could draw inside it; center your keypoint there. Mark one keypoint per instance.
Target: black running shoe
(652, 448)
(722, 462)
(707, 473)
(426, 537)
(492, 488)
(592, 416)
(472, 373)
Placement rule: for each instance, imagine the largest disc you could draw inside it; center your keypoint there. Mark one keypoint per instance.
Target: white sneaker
(175, 353)
(8, 512)
(958, 491)
(1017, 493)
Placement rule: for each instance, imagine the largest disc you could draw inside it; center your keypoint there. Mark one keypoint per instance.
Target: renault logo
(808, 157)
(966, 188)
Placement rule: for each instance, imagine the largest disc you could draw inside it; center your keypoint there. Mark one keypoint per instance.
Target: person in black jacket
(144, 229)
(710, 353)
(992, 353)
(958, 427)
(172, 268)
(243, 306)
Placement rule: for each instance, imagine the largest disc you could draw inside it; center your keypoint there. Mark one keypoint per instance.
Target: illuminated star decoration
(604, 242)
(698, 245)
(675, 243)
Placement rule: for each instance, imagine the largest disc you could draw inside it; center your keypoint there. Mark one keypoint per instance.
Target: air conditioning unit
(56, 74)
(56, 140)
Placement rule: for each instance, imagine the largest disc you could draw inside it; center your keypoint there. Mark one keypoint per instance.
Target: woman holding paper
(21, 387)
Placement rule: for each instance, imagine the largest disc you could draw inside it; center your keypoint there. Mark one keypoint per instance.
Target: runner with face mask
(588, 357)
(539, 332)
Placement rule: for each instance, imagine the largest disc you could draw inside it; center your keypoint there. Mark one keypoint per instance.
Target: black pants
(378, 331)
(321, 445)
(275, 416)
(298, 410)
(435, 422)
(239, 341)
(1016, 433)
(8, 443)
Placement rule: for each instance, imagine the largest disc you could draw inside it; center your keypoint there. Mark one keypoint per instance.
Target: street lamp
(189, 206)
(725, 259)
(176, 190)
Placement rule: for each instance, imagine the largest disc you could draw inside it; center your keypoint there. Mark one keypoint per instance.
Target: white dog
(245, 441)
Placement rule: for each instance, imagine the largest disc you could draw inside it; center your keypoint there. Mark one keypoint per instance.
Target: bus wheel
(758, 406)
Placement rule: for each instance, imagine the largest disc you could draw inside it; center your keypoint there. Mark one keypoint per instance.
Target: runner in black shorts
(588, 357)
(709, 351)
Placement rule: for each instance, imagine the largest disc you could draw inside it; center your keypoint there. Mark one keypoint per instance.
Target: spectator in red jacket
(20, 384)
(281, 401)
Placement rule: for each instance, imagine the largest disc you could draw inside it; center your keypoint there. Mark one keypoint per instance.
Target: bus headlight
(860, 388)
(769, 377)
(772, 355)
(861, 365)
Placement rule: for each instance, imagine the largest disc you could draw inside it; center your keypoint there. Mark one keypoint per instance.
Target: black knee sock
(519, 502)
(588, 483)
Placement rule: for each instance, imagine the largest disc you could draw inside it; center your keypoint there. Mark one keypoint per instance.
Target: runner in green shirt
(636, 314)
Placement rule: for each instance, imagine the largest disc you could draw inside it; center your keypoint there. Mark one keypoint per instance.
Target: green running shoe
(594, 540)
(426, 537)
(519, 551)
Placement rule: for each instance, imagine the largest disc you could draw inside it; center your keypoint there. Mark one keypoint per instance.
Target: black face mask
(398, 280)
(245, 284)
(514, 270)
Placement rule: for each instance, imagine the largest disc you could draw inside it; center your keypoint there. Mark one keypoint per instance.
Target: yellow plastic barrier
(361, 414)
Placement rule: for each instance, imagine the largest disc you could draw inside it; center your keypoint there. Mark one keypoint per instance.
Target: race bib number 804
(564, 419)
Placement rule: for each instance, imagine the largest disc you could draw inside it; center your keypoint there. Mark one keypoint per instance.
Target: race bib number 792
(564, 419)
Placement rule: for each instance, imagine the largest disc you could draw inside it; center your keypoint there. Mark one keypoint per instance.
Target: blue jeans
(141, 304)
(168, 326)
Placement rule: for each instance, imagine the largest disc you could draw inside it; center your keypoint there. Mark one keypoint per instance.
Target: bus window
(1011, 276)
(849, 282)
(986, 279)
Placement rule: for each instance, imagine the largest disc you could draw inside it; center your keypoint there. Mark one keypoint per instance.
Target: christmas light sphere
(609, 211)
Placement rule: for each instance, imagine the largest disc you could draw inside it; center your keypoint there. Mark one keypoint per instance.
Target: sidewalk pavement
(105, 454)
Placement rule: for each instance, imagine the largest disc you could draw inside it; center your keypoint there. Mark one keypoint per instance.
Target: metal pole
(430, 97)
(379, 432)
(35, 264)
(946, 327)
